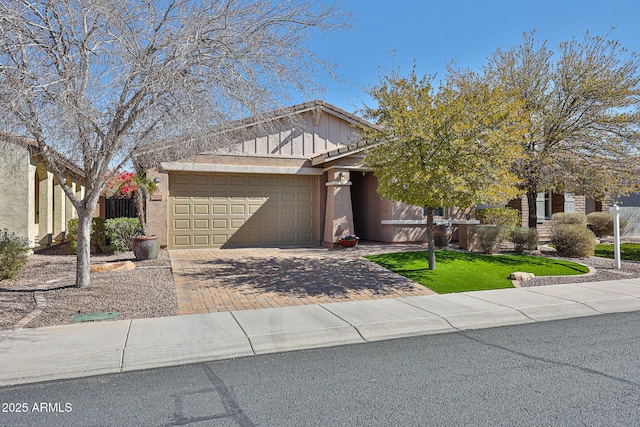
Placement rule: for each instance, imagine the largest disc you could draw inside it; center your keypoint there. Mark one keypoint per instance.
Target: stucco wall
(157, 206)
(14, 194)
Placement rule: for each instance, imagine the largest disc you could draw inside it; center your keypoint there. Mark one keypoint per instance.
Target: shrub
(120, 231)
(572, 240)
(523, 239)
(13, 255)
(569, 218)
(502, 217)
(98, 236)
(486, 238)
(601, 223)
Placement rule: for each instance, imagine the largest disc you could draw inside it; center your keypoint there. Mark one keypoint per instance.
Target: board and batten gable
(314, 133)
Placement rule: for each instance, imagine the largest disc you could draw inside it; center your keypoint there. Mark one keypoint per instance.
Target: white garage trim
(206, 167)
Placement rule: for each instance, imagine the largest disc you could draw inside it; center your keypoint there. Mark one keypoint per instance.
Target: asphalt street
(582, 371)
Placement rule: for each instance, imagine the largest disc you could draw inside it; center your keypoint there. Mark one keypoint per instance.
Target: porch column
(339, 212)
(45, 208)
(59, 212)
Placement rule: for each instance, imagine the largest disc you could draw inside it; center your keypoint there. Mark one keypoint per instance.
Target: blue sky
(466, 31)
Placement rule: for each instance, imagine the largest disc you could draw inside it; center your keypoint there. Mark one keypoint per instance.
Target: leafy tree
(579, 103)
(104, 81)
(441, 148)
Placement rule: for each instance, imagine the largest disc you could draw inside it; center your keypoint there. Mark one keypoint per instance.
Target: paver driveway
(212, 280)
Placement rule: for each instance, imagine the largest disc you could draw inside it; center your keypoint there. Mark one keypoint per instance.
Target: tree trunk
(532, 197)
(83, 260)
(138, 199)
(430, 239)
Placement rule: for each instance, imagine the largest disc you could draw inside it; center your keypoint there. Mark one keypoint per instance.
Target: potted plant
(348, 240)
(129, 184)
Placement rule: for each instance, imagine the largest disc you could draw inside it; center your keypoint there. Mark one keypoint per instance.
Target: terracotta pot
(347, 243)
(145, 247)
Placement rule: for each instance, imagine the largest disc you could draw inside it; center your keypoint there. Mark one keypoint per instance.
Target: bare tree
(103, 81)
(581, 105)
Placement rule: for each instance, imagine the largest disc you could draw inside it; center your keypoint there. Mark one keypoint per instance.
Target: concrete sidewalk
(70, 351)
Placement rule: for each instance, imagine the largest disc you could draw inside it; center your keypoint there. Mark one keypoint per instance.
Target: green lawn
(628, 251)
(463, 271)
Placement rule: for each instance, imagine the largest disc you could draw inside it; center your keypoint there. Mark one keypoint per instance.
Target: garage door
(229, 210)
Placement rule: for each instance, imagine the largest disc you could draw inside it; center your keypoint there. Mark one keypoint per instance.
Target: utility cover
(95, 316)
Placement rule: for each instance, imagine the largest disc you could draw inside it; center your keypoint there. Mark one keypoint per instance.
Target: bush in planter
(98, 235)
(523, 239)
(601, 223)
(486, 238)
(120, 231)
(569, 218)
(572, 240)
(503, 217)
(13, 255)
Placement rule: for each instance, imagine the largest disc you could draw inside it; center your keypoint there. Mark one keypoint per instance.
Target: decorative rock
(113, 266)
(521, 276)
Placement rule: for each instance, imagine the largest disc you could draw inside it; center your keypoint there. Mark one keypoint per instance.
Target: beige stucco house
(32, 202)
(301, 184)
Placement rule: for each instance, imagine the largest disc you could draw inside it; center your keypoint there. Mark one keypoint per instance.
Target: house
(32, 202)
(549, 203)
(301, 182)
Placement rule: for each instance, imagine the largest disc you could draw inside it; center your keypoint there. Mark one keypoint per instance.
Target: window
(436, 211)
(543, 206)
(547, 201)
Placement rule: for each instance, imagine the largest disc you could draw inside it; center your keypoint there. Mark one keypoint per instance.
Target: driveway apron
(213, 280)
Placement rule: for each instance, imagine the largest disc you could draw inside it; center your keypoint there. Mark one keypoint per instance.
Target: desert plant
(569, 218)
(13, 254)
(503, 217)
(601, 223)
(120, 231)
(98, 236)
(523, 239)
(572, 240)
(487, 238)
(131, 185)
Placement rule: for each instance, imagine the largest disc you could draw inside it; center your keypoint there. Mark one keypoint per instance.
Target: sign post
(615, 210)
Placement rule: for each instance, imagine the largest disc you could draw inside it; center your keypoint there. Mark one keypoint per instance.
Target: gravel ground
(145, 291)
(605, 270)
(148, 290)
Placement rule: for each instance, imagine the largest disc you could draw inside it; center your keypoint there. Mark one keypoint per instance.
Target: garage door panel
(199, 180)
(232, 210)
(271, 209)
(220, 239)
(237, 222)
(201, 209)
(288, 209)
(201, 224)
(219, 209)
(237, 180)
(181, 209)
(271, 181)
(181, 241)
(271, 223)
(238, 209)
(289, 223)
(201, 240)
(182, 224)
(222, 224)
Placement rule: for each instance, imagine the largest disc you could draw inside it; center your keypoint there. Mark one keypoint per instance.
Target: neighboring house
(32, 202)
(549, 203)
(630, 210)
(299, 184)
